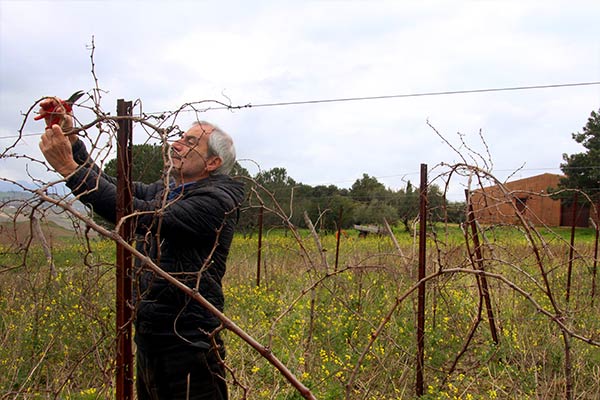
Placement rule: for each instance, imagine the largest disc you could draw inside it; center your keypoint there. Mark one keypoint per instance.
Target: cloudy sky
(268, 52)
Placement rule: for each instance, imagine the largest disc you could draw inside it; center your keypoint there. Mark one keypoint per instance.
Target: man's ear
(213, 163)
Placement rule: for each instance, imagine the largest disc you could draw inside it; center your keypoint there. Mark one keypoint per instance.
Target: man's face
(189, 155)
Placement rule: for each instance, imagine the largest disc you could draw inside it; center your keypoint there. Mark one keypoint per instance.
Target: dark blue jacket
(188, 236)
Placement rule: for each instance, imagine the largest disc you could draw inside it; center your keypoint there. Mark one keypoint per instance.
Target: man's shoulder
(220, 183)
(222, 187)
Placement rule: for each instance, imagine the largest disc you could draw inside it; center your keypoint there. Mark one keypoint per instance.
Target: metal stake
(124, 389)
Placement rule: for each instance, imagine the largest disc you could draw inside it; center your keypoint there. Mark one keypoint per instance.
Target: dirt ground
(19, 232)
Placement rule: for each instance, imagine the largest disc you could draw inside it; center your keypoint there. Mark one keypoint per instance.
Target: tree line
(367, 201)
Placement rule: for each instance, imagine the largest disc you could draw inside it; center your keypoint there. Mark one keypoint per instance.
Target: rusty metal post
(572, 247)
(596, 224)
(421, 291)
(260, 232)
(124, 380)
(339, 233)
(479, 260)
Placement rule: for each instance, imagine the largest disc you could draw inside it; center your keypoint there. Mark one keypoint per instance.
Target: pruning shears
(50, 108)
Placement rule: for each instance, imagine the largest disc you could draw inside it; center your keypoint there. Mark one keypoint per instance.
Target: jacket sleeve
(197, 215)
(99, 190)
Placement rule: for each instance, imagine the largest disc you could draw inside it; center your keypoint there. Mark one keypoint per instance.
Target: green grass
(57, 332)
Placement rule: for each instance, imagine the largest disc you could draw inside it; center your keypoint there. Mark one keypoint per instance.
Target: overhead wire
(360, 98)
(396, 96)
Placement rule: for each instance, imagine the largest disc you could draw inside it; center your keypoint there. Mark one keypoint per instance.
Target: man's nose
(177, 145)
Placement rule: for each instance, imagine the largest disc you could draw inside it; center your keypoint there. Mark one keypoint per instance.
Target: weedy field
(346, 331)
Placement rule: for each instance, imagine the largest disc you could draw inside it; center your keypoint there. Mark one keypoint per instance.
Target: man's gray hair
(220, 144)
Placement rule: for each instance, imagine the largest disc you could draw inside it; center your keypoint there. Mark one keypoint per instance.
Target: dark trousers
(172, 369)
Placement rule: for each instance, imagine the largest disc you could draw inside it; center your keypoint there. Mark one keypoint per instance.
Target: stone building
(502, 204)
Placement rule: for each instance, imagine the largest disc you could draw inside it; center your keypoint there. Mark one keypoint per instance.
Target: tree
(375, 212)
(367, 189)
(407, 204)
(325, 204)
(281, 186)
(275, 178)
(239, 171)
(582, 170)
(147, 165)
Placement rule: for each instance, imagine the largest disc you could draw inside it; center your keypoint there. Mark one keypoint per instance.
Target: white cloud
(168, 54)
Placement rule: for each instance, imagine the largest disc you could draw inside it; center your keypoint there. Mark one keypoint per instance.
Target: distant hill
(14, 187)
(13, 195)
(23, 186)
(17, 233)
(13, 198)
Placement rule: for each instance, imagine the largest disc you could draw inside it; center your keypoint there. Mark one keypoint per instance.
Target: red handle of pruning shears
(50, 108)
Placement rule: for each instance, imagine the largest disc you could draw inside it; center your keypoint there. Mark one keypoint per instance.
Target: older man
(186, 227)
